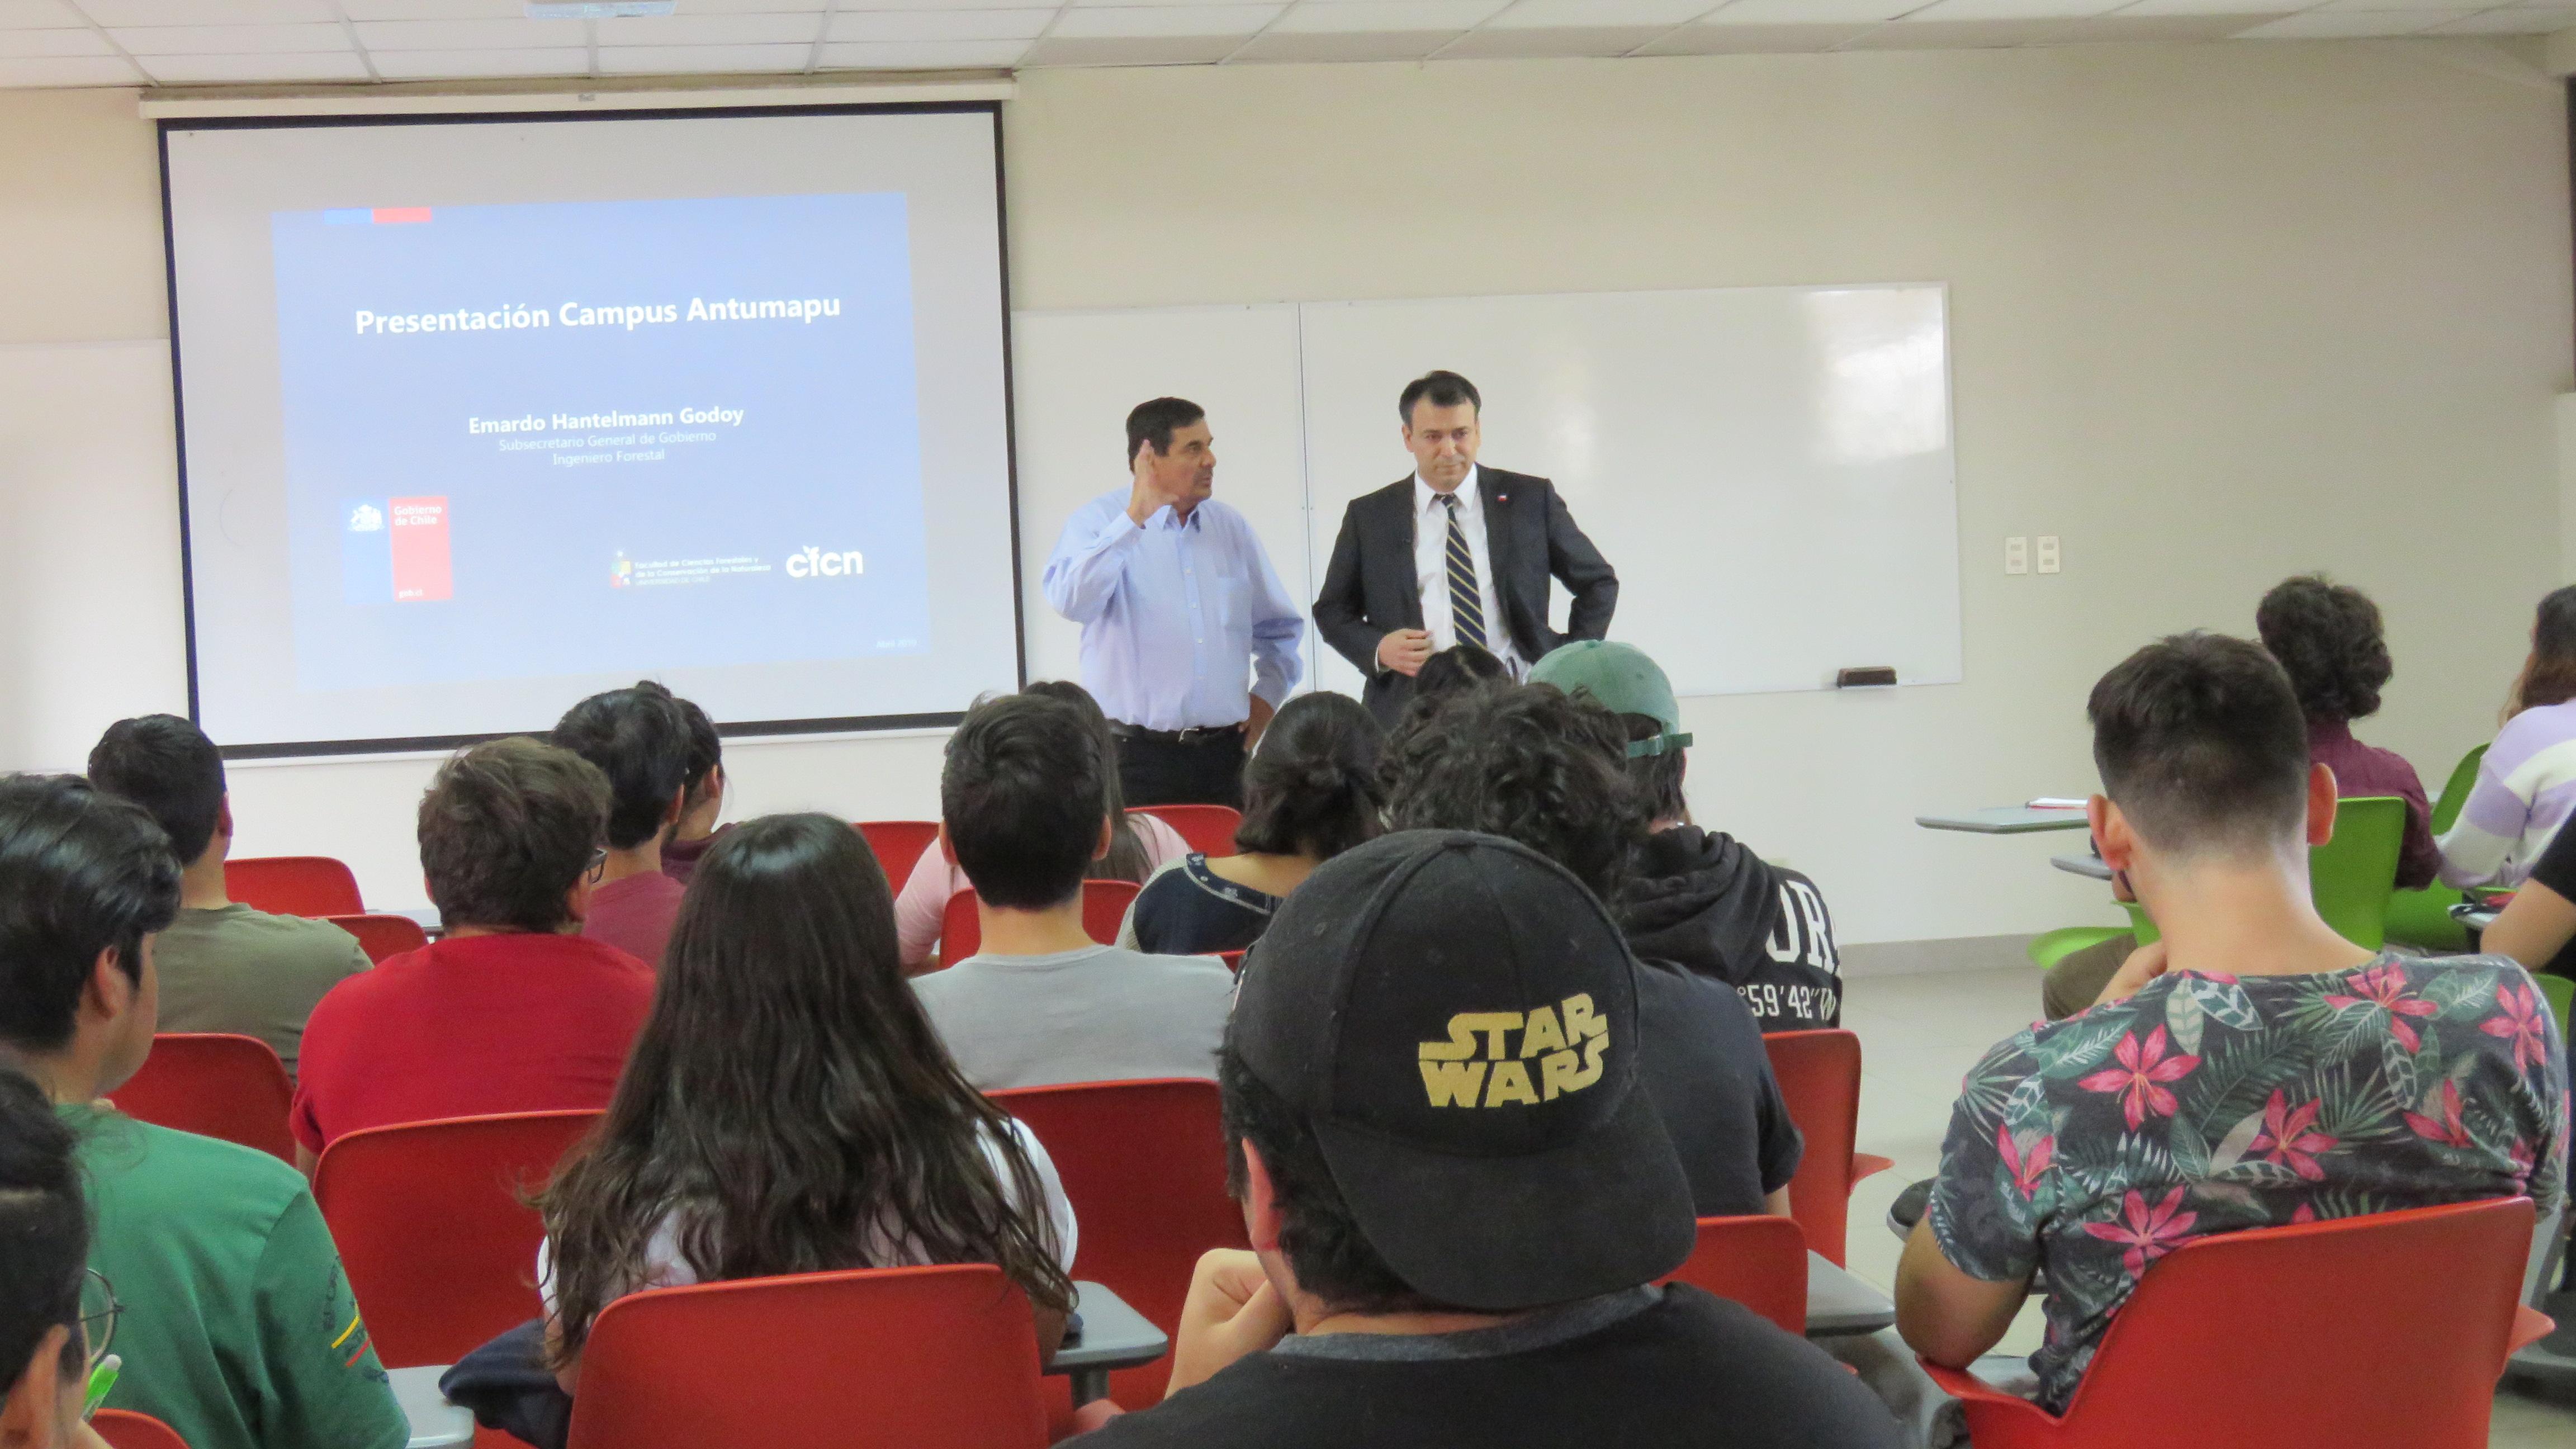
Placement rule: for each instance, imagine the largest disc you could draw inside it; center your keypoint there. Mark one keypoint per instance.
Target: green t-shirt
(239, 1329)
(240, 970)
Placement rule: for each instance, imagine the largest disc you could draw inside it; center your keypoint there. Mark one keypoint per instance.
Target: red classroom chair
(1819, 1076)
(1104, 907)
(1233, 960)
(898, 845)
(381, 936)
(1759, 1261)
(2353, 1350)
(903, 1358)
(1143, 1164)
(125, 1429)
(440, 1249)
(214, 1084)
(1208, 828)
(293, 885)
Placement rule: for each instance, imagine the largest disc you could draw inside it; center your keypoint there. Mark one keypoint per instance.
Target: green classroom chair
(2050, 947)
(2422, 918)
(2561, 992)
(2352, 875)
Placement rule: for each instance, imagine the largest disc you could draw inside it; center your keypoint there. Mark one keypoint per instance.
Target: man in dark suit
(1455, 554)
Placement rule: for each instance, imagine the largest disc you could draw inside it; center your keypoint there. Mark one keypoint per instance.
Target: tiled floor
(1919, 1035)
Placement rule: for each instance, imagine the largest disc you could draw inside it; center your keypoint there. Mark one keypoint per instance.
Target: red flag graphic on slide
(420, 548)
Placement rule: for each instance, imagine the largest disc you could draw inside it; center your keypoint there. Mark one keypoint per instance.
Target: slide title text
(515, 317)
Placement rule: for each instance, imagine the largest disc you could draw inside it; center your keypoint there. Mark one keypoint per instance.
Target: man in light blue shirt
(1173, 591)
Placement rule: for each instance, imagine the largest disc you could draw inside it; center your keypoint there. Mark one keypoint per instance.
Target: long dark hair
(2550, 677)
(1127, 858)
(789, 1101)
(1311, 789)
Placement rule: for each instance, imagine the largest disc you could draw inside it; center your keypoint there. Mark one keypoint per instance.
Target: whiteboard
(1770, 469)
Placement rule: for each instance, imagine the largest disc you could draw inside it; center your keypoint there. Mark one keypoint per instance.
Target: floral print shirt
(2205, 1104)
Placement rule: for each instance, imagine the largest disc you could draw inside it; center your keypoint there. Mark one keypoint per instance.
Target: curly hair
(1526, 762)
(2327, 637)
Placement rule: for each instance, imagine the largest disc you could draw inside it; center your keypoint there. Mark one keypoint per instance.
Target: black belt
(1194, 735)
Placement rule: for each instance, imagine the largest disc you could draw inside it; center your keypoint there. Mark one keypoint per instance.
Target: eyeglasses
(99, 1311)
(598, 863)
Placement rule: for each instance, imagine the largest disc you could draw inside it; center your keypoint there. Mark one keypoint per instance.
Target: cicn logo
(816, 563)
(366, 518)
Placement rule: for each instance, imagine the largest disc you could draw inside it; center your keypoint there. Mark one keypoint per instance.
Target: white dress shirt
(1431, 568)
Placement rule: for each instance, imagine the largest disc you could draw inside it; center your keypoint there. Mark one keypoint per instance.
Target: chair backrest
(2337, 1305)
(2560, 993)
(1104, 906)
(216, 1085)
(440, 1248)
(2455, 791)
(1208, 828)
(126, 1429)
(2352, 875)
(1819, 1076)
(898, 845)
(1759, 1261)
(383, 936)
(293, 885)
(903, 1358)
(1143, 1164)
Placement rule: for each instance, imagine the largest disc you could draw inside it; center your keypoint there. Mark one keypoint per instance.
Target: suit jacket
(1372, 589)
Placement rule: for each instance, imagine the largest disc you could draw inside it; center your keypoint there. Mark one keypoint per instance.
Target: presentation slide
(462, 451)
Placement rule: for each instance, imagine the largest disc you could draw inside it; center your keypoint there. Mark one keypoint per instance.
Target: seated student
(1139, 844)
(704, 804)
(1531, 764)
(45, 1345)
(2327, 638)
(1458, 667)
(1310, 792)
(781, 987)
(224, 966)
(2251, 1034)
(2527, 782)
(1703, 901)
(639, 739)
(238, 1328)
(1459, 1193)
(1022, 803)
(512, 1010)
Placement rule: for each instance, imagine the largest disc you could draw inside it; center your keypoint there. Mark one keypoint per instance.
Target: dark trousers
(1158, 770)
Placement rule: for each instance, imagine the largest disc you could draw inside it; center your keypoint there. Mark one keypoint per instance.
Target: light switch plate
(2017, 554)
(2048, 553)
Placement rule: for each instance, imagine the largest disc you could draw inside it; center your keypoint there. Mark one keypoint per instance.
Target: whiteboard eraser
(1866, 677)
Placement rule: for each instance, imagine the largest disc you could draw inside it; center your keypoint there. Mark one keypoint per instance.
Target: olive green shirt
(238, 1328)
(239, 970)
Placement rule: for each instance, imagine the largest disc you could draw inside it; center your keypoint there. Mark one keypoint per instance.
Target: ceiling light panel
(1143, 21)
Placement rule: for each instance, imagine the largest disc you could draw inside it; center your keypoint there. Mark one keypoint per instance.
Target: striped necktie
(1466, 601)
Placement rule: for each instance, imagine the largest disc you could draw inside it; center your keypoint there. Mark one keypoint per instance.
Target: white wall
(2220, 313)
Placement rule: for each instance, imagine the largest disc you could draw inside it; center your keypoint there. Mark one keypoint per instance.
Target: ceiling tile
(707, 59)
(2267, 9)
(2169, 29)
(2344, 25)
(177, 70)
(2455, 7)
(467, 64)
(231, 39)
(848, 6)
(1124, 21)
(1960, 34)
(1288, 45)
(712, 30)
(434, 9)
(468, 34)
(1947, 10)
(1706, 39)
(32, 44)
(68, 71)
(1419, 17)
(1059, 49)
(1597, 40)
(1812, 12)
(2509, 22)
(925, 55)
(38, 15)
(1598, 14)
(884, 25)
(113, 13)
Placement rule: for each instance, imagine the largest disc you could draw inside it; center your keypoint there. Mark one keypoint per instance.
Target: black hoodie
(1708, 904)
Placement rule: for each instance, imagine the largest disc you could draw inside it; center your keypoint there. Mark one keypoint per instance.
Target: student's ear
(2112, 838)
(109, 993)
(224, 822)
(577, 901)
(947, 852)
(1260, 1207)
(679, 807)
(1108, 838)
(2322, 799)
(31, 1406)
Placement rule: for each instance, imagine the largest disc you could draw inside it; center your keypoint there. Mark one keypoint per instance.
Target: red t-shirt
(635, 914)
(513, 1023)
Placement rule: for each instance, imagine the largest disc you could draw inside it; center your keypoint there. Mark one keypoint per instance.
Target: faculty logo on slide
(813, 563)
(624, 573)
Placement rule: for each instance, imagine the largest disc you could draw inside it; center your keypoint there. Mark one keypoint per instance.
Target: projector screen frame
(848, 724)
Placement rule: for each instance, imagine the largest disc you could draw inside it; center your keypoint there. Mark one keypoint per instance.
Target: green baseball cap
(1621, 679)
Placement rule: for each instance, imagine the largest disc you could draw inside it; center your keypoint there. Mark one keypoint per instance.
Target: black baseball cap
(1456, 1017)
